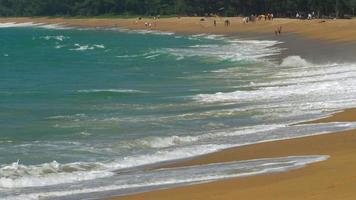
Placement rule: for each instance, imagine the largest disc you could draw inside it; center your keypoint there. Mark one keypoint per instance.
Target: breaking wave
(188, 175)
(293, 84)
(17, 175)
(58, 37)
(79, 47)
(232, 50)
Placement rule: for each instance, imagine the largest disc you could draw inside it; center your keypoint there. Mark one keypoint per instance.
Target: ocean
(84, 112)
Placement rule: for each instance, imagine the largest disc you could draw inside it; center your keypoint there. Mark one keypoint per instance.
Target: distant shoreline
(341, 30)
(331, 40)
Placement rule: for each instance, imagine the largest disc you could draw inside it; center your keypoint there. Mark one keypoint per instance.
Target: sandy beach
(327, 30)
(316, 40)
(331, 179)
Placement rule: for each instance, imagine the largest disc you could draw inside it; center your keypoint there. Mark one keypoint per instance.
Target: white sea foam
(31, 24)
(19, 176)
(207, 36)
(79, 47)
(53, 26)
(311, 82)
(233, 50)
(55, 37)
(151, 32)
(294, 61)
(12, 24)
(163, 142)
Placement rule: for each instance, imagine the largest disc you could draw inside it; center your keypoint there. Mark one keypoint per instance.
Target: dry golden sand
(334, 179)
(330, 30)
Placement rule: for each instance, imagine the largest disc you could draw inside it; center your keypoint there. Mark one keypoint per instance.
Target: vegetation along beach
(177, 99)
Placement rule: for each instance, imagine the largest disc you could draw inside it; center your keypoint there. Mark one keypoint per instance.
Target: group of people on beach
(149, 25)
(308, 16)
(227, 23)
(254, 18)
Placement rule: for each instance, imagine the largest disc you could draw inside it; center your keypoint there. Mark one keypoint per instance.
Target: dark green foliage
(174, 7)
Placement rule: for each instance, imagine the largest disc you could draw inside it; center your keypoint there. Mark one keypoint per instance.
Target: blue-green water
(78, 105)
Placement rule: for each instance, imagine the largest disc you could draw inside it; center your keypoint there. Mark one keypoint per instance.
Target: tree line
(280, 8)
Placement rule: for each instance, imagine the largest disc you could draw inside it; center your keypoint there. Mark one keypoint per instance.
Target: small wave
(19, 176)
(58, 38)
(79, 47)
(163, 142)
(81, 115)
(184, 175)
(207, 36)
(231, 50)
(144, 32)
(170, 141)
(297, 79)
(59, 46)
(295, 61)
(122, 91)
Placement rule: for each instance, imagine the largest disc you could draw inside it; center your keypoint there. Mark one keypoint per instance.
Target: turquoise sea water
(78, 106)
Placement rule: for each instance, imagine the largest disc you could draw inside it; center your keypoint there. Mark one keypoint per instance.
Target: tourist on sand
(246, 20)
(260, 17)
(269, 16)
(214, 23)
(278, 31)
(227, 23)
(310, 16)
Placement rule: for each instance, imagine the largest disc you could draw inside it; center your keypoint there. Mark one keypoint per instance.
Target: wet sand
(331, 179)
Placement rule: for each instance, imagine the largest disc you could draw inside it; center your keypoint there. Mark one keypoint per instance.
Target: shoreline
(316, 44)
(332, 40)
(330, 179)
(340, 31)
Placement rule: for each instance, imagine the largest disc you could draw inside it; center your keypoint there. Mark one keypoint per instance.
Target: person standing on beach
(227, 23)
(214, 23)
(278, 31)
(309, 16)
